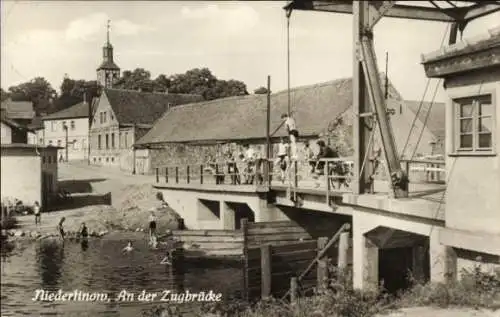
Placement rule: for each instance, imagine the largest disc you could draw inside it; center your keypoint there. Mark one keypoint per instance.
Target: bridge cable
(425, 120)
(447, 179)
(413, 124)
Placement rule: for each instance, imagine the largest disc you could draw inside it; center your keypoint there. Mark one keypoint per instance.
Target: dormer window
(474, 124)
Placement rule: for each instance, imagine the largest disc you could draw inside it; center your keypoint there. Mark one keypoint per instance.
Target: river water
(103, 268)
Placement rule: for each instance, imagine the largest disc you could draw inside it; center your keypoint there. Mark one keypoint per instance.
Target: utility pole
(133, 150)
(66, 142)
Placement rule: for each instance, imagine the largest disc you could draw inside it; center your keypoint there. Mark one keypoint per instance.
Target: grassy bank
(475, 290)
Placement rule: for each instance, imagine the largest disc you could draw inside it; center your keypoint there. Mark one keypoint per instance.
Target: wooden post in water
(327, 185)
(166, 174)
(322, 273)
(244, 231)
(177, 174)
(294, 285)
(157, 170)
(216, 174)
(201, 174)
(265, 267)
(187, 174)
(343, 250)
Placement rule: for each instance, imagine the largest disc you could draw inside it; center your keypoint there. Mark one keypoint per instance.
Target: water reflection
(99, 266)
(50, 255)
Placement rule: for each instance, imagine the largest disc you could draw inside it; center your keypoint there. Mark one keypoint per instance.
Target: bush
(475, 289)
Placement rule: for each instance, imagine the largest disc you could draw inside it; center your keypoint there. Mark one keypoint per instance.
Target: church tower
(108, 72)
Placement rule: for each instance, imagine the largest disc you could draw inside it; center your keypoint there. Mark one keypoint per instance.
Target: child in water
(128, 248)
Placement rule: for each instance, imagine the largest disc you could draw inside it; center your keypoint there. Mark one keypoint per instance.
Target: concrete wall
(365, 253)
(21, 175)
(472, 197)
(78, 130)
(6, 134)
(197, 215)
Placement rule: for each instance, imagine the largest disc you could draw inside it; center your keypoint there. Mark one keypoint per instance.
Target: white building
(68, 129)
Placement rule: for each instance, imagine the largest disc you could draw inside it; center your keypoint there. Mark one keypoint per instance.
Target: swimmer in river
(84, 235)
(128, 248)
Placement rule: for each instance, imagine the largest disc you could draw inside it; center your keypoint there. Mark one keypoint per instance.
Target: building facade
(29, 173)
(67, 129)
(121, 117)
(471, 72)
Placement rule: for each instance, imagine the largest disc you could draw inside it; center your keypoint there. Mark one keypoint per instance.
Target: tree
(38, 90)
(201, 81)
(4, 94)
(138, 79)
(73, 91)
(260, 91)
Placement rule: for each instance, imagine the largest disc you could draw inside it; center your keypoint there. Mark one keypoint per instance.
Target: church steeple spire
(108, 71)
(107, 32)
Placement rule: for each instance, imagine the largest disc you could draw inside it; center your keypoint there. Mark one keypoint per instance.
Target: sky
(235, 39)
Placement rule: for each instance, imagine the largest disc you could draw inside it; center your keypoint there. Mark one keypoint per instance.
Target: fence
(270, 269)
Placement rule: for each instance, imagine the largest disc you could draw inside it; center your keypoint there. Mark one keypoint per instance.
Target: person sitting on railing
(282, 158)
(249, 160)
(232, 169)
(325, 152)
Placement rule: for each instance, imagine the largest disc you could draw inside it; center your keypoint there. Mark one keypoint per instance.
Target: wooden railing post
(244, 230)
(265, 266)
(187, 174)
(216, 174)
(327, 180)
(166, 174)
(177, 174)
(293, 290)
(322, 272)
(201, 174)
(296, 177)
(427, 172)
(407, 169)
(343, 250)
(157, 170)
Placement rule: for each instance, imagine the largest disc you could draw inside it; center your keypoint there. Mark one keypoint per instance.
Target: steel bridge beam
(481, 10)
(396, 11)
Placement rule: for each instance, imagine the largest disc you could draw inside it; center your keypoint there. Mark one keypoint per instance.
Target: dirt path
(132, 197)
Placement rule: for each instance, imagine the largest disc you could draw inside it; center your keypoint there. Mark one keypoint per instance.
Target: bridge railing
(329, 174)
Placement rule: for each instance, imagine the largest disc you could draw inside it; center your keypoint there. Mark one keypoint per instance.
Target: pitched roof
(467, 46)
(132, 106)
(244, 117)
(79, 110)
(13, 124)
(108, 65)
(18, 109)
(436, 120)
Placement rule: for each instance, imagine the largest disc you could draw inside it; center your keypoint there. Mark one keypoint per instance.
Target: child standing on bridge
(36, 211)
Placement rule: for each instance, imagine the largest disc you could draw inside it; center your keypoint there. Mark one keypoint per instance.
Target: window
(474, 124)
(50, 142)
(72, 125)
(75, 145)
(50, 159)
(119, 140)
(104, 117)
(125, 143)
(107, 159)
(112, 140)
(112, 159)
(63, 124)
(107, 141)
(99, 143)
(111, 116)
(43, 159)
(53, 126)
(41, 141)
(58, 142)
(94, 160)
(83, 144)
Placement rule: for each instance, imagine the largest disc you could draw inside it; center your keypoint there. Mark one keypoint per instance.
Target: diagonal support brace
(377, 10)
